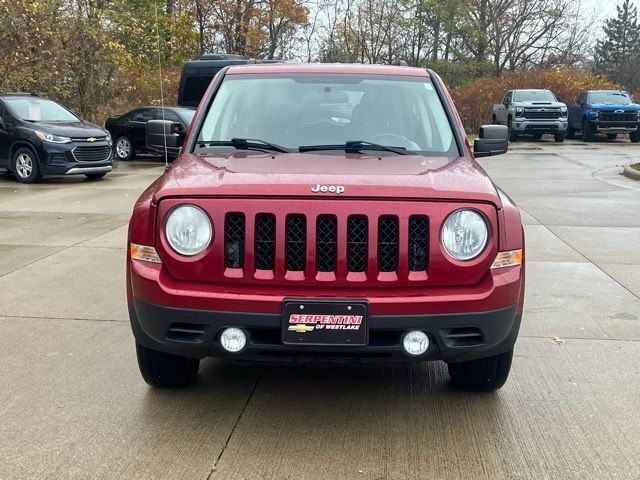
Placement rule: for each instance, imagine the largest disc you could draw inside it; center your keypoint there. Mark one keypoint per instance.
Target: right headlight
(519, 111)
(464, 234)
(188, 230)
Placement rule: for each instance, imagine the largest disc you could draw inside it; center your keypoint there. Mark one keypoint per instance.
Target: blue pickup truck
(604, 111)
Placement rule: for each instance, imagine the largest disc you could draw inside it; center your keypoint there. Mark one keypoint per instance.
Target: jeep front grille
(234, 240)
(357, 241)
(329, 232)
(265, 236)
(296, 242)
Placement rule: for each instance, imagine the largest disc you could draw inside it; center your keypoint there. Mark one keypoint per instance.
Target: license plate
(318, 322)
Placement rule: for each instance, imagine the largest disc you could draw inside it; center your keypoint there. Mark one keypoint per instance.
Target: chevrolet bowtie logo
(300, 328)
(91, 139)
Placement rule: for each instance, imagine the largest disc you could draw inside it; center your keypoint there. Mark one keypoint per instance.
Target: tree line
(102, 56)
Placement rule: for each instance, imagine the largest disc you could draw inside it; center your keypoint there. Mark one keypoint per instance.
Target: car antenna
(164, 125)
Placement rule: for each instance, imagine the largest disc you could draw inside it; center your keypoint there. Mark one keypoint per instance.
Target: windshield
(306, 110)
(533, 96)
(34, 109)
(613, 98)
(186, 115)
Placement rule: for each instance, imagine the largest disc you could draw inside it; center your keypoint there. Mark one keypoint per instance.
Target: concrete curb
(631, 173)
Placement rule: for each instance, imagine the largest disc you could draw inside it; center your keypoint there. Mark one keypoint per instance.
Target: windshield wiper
(354, 146)
(243, 144)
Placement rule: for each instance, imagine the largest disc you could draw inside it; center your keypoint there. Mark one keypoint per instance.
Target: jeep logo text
(337, 189)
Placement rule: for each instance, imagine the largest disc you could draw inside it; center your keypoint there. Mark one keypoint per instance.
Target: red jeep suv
(326, 213)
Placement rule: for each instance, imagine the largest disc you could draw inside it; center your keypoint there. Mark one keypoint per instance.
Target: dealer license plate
(319, 322)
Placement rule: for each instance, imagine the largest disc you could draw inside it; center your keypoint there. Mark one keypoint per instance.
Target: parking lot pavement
(72, 404)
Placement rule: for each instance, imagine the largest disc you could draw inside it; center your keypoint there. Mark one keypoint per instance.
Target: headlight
(563, 112)
(188, 230)
(464, 234)
(519, 111)
(48, 137)
(109, 138)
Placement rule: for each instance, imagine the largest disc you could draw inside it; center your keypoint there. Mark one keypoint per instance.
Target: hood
(540, 104)
(79, 129)
(299, 174)
(609, 107)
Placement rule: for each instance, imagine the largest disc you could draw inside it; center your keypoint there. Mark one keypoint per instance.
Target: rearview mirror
(492, 140)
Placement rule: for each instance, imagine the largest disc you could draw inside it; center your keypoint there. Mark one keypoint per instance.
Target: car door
(576, 111)
(137, 127)
(6, 135)
(504, 111)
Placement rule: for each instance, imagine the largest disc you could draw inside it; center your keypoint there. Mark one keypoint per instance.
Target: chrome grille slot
(234, 240)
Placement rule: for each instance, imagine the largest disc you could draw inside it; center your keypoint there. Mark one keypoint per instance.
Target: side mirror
(492, 140)
(164, 132)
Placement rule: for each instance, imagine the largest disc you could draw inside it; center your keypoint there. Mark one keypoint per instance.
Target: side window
(168, 115)
(507, 99)
(142, 115)
(582, 98)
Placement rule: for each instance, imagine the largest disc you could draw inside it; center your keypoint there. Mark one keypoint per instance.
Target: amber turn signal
(510, 258)
(144, 253)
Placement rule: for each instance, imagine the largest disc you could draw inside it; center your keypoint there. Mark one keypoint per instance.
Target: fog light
(415, 342)
(233, 339)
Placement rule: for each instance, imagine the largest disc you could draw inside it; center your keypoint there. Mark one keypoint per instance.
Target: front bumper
(61, 159)
(613, 127)
(523, 125)
(195, 333)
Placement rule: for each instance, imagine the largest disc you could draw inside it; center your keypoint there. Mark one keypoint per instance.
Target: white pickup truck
(532, 112)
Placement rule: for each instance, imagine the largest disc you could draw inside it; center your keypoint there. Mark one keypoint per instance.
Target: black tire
(588, 134)
(25, 166)
(612, 136)
(165, 370)
(481, 375)
(559, 137)
(635, 136)
(123, 149)
(571, 133)
(513, 136)
(95, 176)
(537, 136)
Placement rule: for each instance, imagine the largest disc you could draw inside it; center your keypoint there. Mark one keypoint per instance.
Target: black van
(197, 75)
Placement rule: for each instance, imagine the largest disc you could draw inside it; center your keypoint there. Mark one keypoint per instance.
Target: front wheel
(559, 137)
(124, 149)
(25, 166)
(481, 375)
(635, 136)
(160, 369)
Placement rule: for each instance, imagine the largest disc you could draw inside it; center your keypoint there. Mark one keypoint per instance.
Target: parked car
(533, 112)
(40, 137)
(604, 111)
(129, 130)
(292, 230)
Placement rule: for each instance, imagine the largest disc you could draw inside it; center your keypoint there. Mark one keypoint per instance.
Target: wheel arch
(18, 144)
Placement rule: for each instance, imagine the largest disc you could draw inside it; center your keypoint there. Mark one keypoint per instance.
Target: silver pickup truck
(533, 112)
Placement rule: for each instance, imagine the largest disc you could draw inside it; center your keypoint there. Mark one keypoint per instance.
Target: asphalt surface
(72, 403)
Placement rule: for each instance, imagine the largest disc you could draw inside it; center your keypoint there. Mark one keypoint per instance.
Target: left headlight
(464, 234)
(563, 111)
(49, 137)
(188, 230)
(109, 139)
